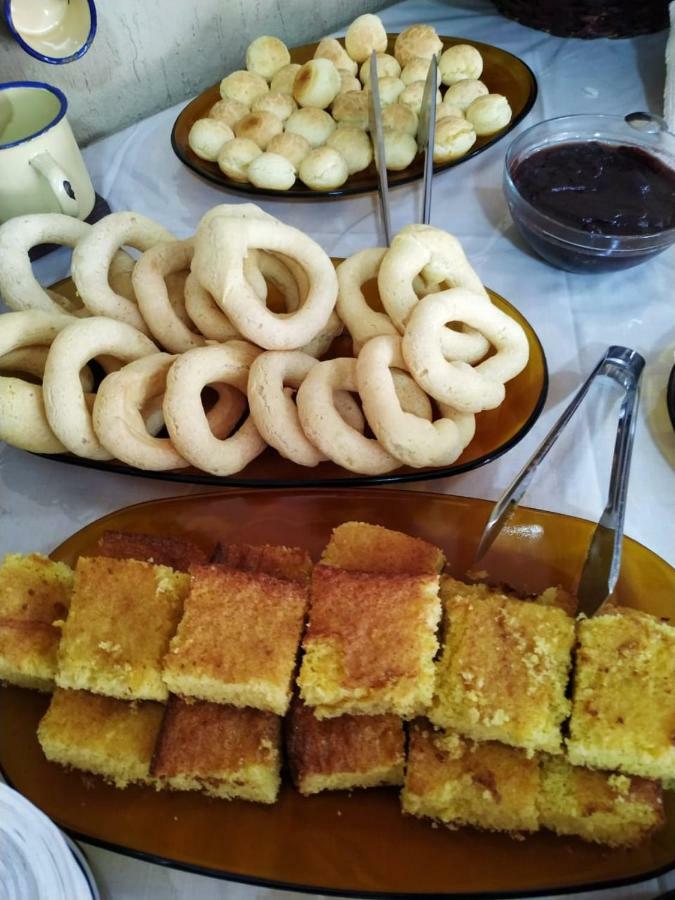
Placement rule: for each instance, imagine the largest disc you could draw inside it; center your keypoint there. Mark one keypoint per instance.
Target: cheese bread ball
(464, 92)
(460, 62)
(348, 83)
(488, 114)
(399, 117)
(266, 55)
(332, 49)
(280, 105)
(351, 109)
(387, 67)
(390, 90)
(353, 145)
(235, 158)
(454, 137)
(228, 111)
(260, 127)
(207, 136)
(444, 109)
(364, 35)
(282, 83)
(317, 84)
(315, 125)
(417, 41)
(417, 70)
(399, 150)
(272, 171)
(323, 169)
(293, 146)
(242, 86)
(413, 94)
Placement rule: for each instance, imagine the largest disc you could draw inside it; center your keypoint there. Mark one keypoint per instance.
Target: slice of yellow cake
(34, 594)
(370, 643)
(361, 547)
(606, 808)
(343, 753)
(623, 702)
(221, 750)
(504, 669)
(123, 614)
(161, 550)
(111, 738)
(459, 782)
(238, 639)
(290, 563)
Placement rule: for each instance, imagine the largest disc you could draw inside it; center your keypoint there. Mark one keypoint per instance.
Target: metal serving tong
(600, 571)
(426, 133)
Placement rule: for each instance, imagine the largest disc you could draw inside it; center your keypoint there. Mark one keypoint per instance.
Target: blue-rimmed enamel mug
(53, 31)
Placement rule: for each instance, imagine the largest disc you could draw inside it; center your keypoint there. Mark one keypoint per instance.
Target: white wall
(150, 54)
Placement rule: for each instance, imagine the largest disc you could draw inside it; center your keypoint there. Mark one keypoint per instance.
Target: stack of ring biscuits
(196, 313)
(278, 121)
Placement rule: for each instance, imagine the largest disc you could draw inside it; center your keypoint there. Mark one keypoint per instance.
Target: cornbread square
(370, 643)
(623, 701)
(553, 596)
(291, 563)
(111, 738)
(606, 808)
(221, 750)
(123, 614)
(343, 753)
(34, 595)
(361, 547)
(238, 639)
(503, 670)
(176, 553)
(459, 782)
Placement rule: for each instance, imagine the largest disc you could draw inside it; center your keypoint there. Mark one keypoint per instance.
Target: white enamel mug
(41, 167)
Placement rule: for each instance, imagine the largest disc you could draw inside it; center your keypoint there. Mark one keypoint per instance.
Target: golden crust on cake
(362, 547)
(606, 808)
(111, 738)
(370, 643)
(176, 553)
(123, 614)
(221, 750)
(238, 639)
(343, 753)
(34, 594)
(553, 596)
(623, 701)
(503, 670)
(458, 782)
(291, 563)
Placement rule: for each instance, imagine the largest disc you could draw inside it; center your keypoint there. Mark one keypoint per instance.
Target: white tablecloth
(576, 317)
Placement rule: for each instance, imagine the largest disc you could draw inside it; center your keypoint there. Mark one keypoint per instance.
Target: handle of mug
(58, 181)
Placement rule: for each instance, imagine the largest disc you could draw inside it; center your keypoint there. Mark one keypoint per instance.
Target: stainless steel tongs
(600, 571)
(426, 133)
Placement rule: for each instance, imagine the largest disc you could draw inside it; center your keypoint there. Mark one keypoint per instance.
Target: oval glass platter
(340, 843)
(503, 73)
(497, 430)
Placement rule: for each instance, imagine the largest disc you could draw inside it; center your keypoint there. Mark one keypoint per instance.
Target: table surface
(576, 317)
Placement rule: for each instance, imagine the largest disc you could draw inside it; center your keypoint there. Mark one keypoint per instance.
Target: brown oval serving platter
(340, 843)
(497, 430)
(503, 73)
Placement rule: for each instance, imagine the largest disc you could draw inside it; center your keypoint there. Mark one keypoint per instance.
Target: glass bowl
(573, 248)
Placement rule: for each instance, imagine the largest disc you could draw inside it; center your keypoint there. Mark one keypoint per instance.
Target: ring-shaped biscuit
(274, 411)
(464, 387)
(363, 323)
(149, 281)
(31, 360)
(92, 257)
(326, 428)
(414, 440)
(438, 258)
(119, 421)
(185, 419)
(220, 249)
(65, 404)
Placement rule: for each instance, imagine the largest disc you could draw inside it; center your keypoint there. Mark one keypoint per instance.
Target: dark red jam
(599, 188)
